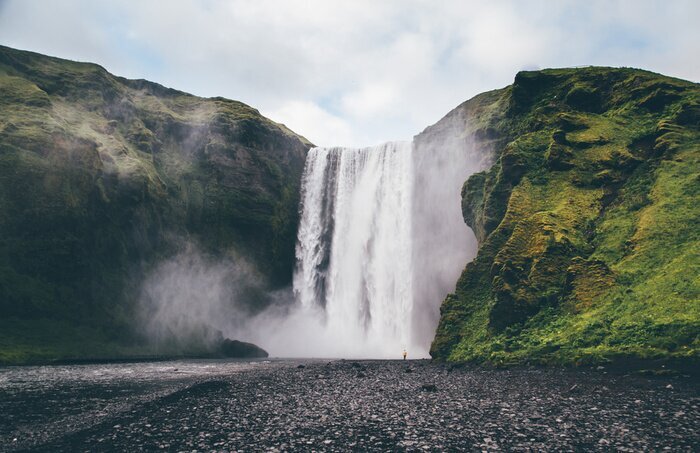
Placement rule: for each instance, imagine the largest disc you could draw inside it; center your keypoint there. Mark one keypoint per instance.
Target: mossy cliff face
(100, 177)
(589, 246)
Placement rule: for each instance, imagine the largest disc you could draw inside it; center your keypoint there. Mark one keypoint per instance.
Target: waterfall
(354, 249)
(381, 241)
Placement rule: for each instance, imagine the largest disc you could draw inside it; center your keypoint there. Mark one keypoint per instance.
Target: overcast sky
(354, 72)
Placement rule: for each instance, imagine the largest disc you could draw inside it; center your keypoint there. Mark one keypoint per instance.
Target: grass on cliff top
(30, 78)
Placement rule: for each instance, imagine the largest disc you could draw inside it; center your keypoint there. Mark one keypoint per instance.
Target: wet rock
(241, 349)
(429, 387)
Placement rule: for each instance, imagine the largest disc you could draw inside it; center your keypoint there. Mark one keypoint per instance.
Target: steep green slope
(587, 222)
(101, 176)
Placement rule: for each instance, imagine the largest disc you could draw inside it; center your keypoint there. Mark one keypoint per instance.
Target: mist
(193, 300)
(382, 239)
(444, 157)
(190, 301)
(381, 242)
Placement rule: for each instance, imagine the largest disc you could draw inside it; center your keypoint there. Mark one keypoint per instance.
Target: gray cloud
(360, 72)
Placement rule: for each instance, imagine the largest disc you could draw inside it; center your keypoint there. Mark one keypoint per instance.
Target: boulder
(241, 349)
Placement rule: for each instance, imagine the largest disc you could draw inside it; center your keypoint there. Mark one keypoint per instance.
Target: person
(404, 354)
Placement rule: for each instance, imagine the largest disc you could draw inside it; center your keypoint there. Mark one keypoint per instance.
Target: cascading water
(381, 242)
(354, 250)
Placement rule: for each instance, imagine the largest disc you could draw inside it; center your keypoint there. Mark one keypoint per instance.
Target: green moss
(593, 255)
(101, 176)
(584, 97)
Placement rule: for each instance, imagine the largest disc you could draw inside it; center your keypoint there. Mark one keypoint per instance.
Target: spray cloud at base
(381, 242)
(191, 300)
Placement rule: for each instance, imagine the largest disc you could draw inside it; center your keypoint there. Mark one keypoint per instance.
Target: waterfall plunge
(354, 249)
(381, 242)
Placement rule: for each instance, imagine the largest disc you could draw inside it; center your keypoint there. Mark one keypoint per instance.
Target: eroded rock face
(101, 177)
(580, 222)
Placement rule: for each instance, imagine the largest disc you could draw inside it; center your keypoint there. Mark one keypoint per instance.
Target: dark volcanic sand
(342, 405)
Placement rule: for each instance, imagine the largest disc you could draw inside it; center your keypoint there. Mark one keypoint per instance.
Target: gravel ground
(366, 405)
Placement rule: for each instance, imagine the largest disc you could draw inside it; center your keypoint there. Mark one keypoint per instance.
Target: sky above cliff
(360, 72)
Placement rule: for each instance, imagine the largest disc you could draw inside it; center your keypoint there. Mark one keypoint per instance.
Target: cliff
(586, 217)
(100, 177)
(587, 222)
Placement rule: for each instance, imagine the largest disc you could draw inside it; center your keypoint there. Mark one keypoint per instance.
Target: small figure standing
(404, 354)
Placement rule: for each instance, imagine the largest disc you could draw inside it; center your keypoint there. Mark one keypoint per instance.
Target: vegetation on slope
(100, 177)
(587, 222)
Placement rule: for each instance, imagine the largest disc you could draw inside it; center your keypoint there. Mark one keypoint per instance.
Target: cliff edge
(587, 222)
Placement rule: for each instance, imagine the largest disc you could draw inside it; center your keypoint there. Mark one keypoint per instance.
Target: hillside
(589, 247)
(589, 250)
(101, 176)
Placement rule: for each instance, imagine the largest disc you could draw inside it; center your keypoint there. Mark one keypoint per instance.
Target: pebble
(273, 407)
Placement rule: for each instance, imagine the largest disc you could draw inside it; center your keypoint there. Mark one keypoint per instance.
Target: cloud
(325, 128)
(359, 72)
(370, 99)
(499, 39)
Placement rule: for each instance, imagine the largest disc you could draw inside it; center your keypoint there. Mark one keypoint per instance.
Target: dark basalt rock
(241, 349)
(559, 157)
(585, 98)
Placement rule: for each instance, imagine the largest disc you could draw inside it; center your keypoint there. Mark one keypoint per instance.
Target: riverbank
(340, 405)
